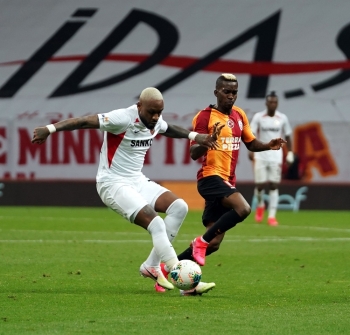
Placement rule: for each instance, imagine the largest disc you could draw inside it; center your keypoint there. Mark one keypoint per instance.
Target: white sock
(161, 244)
(260, 197)
(273, 194)
(176, 214)
(170, 263)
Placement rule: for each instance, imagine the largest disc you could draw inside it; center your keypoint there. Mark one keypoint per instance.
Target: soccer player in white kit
(128, 134)
(265, 125)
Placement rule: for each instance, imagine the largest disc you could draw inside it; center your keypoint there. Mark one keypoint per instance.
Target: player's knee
(244, 211)
(260, 187)
(156, 226)
(273, 186)
(178, 209)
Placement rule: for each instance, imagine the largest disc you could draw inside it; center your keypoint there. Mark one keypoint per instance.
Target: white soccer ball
(186, 274)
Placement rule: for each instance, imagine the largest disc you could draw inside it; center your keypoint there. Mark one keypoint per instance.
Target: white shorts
(265, 171)
(129, 196)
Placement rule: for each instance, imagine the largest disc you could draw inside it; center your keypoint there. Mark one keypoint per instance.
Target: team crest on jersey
(240, 124)
(230, 123)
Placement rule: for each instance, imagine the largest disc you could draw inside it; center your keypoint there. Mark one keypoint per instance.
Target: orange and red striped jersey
(222, 161)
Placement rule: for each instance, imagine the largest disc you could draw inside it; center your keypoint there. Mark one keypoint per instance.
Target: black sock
(226, 222)
(187, 254)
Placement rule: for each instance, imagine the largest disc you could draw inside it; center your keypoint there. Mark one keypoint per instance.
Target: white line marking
(316, 228)
(73, 231)
(340, 230)
(50, 218)
(250, 240)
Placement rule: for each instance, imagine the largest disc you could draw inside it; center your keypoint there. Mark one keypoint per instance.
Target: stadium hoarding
(75, 155)
(83, 58)
(294, 196)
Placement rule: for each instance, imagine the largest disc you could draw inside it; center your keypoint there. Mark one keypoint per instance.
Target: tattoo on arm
(176, 132)
(84, 122)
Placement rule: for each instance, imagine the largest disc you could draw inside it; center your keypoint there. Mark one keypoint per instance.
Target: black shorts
(213, 189)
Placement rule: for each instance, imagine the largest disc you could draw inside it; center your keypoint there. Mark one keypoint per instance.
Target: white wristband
(51, 128)
(192, 135)
(290, 157)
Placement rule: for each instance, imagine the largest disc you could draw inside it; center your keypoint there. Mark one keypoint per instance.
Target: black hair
(272, 94)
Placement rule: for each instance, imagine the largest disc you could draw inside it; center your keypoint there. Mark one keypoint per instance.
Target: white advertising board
(72, 58)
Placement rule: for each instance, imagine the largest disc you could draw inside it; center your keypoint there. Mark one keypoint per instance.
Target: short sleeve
(254, 124)
(163, 126)
(247, 134)
(116, 121)
(200, 123)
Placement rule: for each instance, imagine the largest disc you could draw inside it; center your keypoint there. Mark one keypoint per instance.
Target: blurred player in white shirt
(266, 125)
(121, 185)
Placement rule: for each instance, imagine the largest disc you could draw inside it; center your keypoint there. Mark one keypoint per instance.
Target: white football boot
(199, 289)
(155, 273)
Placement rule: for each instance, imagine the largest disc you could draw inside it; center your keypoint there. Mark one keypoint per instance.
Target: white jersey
(125, 144)
(266, 128)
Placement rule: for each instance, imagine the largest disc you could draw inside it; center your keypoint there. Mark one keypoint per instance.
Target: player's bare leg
(239, 210)
(260, 208)
(273, 203)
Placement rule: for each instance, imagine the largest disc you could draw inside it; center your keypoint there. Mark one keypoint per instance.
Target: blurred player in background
(224, 204)
(268, 164)
(128, 135)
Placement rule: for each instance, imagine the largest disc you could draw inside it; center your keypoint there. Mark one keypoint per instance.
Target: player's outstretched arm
(197, 151)
(85, 122)
(290, 154)
(204, 140)
(277, 143)
(257, 145)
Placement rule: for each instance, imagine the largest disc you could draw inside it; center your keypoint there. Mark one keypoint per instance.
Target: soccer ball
(186, 274)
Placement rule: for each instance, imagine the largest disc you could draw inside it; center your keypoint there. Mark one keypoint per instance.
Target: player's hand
(210, 141)
(217, 130)
(251, 155)
(207, 141)
(277, 143)
(40, 135)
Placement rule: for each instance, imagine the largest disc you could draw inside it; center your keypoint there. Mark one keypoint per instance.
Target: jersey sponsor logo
(141, 143)
(230, 143)
(270, 129)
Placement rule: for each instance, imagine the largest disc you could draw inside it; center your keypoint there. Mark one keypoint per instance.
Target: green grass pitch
(75, 271)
